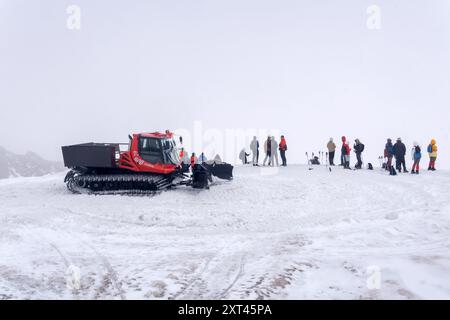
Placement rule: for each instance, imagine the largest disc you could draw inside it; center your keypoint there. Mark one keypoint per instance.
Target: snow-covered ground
(285, 233)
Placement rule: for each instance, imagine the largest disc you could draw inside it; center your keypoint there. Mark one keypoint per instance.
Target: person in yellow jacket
(432, 152)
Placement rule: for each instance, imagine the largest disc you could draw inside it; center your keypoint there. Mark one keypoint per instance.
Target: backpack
(370, 166)
(430, 148)
(361, 147)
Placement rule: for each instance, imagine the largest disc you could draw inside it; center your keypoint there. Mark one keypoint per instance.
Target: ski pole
(327, 159)
(308, 161)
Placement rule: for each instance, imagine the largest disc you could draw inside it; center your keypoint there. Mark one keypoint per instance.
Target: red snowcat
(150, 164)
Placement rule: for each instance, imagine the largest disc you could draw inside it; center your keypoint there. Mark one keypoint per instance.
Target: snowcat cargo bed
(91, 155)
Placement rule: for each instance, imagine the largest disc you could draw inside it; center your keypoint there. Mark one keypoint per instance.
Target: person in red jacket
(283, 148)
(193, 159)
(345, 153)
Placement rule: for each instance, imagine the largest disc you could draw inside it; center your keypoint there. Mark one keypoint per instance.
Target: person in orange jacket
(182, 154)
(283, 148)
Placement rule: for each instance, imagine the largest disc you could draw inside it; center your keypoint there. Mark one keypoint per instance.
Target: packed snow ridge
(272, 233)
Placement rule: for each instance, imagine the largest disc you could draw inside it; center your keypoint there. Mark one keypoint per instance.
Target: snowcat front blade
(220, 170)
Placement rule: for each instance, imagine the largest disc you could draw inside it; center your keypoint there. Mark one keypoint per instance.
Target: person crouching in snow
(243, 156)
(283, 149)
(345, 153)
(416, 156)
(432, 152)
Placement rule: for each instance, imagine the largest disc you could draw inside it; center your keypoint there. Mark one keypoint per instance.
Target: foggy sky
(311, 69)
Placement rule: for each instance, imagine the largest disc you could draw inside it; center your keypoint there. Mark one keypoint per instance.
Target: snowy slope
(269, 234)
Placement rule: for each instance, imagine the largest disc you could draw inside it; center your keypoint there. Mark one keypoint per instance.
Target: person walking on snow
(274, 149)
(254, 146)
(416, 154)
(283, 148)
(432, 152)
(358, 148)
(243, 156)
(268, 151)
(399, 153)
(345, 153)
(389, 154)
(331, 146)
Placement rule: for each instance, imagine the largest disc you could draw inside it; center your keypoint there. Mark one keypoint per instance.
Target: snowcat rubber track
(117, 184)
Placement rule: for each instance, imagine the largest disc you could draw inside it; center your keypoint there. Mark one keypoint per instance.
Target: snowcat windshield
(156, 150)
(170, 151)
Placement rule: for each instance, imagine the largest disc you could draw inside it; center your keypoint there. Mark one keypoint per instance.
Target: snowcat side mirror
(130, 137)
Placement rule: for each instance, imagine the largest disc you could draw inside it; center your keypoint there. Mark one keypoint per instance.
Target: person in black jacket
(399, 154)
(358, 147)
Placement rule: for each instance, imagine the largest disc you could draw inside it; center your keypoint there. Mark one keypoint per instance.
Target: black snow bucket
(220, 170)
(200, 177)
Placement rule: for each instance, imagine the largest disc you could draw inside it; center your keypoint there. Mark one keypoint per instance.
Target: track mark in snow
(112, 275)
(239, 274)
(196, 279)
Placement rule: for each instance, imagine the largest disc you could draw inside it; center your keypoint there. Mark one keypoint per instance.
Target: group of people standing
(358, 148)
(271, 149)
(192, 160)
(398, 151)
(391, 151)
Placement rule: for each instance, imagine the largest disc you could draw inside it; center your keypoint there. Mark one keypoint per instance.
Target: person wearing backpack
(416, 153)
(358, 147)
(432, 152)
(399, 153)
(389, 154)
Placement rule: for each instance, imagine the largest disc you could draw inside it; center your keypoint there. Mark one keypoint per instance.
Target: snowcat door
(150, 150)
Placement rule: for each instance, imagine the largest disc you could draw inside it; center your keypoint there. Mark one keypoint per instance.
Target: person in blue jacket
(416, 154)
(389, 154)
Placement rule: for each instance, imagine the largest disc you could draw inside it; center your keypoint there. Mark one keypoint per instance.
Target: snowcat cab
(151, 163)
